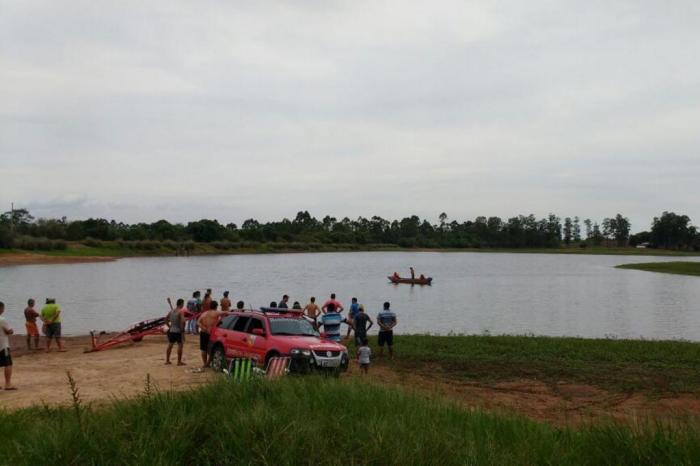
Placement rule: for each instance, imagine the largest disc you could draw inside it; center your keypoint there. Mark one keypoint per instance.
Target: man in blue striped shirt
(387, 321)
(331, 321)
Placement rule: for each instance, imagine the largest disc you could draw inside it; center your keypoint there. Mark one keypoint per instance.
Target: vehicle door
(222, 331)
(255, 341)
(236, 341)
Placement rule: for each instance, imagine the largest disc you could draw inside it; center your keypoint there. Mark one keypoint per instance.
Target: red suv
(263, 335)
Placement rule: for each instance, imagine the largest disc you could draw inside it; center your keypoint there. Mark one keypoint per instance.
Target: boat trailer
(134, 334)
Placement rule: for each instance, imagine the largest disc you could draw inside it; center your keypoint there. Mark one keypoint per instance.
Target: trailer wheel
(218, 359)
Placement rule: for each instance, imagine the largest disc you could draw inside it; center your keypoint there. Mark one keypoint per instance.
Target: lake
(472, 293)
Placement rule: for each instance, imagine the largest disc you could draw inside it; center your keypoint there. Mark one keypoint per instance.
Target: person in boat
(225, 302)
(312, 311)
(331, 322)
(283, 304)
(422, 277)
(336, 305)
(396, 276)
(413, 273)
(175, 320)
(206, 322)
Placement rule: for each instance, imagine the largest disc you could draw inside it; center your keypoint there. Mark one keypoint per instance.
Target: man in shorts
(312, 311)
(331, 321)
(30, 316)
(225, 302)
(5, 356)
(360, 325)
(206, 322)
(352, 313)
(387, 321)
(51, 316)
(175, 320)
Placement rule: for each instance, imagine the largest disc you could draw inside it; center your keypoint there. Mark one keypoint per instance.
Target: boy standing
(30, 316)
(5, 356)
(363, 354)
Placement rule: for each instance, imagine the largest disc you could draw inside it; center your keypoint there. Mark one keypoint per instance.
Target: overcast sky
(234, 109)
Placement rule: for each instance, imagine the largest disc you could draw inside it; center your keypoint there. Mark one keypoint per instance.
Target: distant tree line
(670, 231)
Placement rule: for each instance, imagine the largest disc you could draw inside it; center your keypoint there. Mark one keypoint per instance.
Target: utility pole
(12, 217)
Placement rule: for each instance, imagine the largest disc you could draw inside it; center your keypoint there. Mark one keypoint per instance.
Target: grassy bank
(618, 365)
(320, 421)
(678, 268)
(93, 248)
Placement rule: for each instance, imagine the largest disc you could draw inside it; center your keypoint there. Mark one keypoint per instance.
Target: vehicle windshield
(285, 326)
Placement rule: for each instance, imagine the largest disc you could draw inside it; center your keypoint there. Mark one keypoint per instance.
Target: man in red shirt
(336, 305)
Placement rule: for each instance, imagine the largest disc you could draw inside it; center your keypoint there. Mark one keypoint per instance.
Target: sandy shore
(22, 258)
(115, 373)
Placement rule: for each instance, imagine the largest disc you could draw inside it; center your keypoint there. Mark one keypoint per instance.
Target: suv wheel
(218, 359)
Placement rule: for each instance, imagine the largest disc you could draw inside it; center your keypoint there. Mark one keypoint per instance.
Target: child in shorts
(363, 356)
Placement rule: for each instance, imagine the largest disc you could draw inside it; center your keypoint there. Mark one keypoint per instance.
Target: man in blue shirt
(331, 321)
(352, 313)
(387, 321)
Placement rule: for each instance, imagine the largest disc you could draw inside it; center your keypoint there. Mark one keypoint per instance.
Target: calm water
(472, 292)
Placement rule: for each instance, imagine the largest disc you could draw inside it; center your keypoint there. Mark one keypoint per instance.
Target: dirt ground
(121, 372)
(22, 258)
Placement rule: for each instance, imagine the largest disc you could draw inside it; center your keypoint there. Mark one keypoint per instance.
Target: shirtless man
(30, 316)
(312, 311)
(206, 322)
(225, 302)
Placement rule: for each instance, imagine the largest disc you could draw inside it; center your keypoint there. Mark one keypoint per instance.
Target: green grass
(679, 268)
(645, 366)
(321, 421)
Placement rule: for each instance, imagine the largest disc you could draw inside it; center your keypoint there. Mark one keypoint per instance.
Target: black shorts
(203, 341)
(53, 330)
(386, 337)
(175, 337)
(5, 358)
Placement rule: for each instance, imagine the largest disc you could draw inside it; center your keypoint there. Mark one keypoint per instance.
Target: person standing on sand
(30, 316)
(352, 313)
(312, 311)
(337, 307)
(5, 356)
(194, 306)
(387, 321)
(225, 302)
(175, 320)
(360, 325)
(331, 321)
(206, 322)
(51, 316)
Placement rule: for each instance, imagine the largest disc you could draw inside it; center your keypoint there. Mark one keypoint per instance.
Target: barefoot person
(225, 302)
(352, 313)
(360, 325)
(30, 316)
(51, 316)
(363, 356)
(331, 321)
(5, 356)
(175, 320)
(206, 322)
(387, 321)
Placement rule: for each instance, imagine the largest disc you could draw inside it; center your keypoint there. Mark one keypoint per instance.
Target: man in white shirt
(5, 357)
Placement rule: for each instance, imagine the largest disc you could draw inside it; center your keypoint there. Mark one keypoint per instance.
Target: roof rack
(280, 310)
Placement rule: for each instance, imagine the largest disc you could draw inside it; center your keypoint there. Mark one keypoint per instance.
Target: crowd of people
(200, 314)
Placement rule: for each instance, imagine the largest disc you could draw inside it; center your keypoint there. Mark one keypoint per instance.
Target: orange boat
(411, 281)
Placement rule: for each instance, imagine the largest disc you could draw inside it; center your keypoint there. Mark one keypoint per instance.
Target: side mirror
(258, 331)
